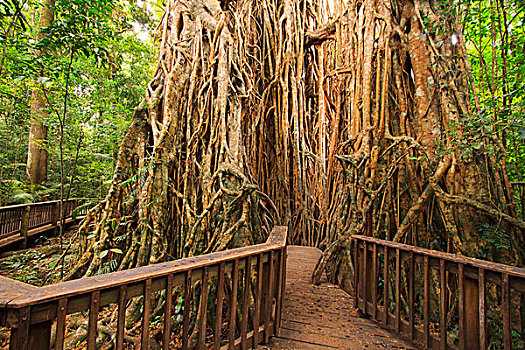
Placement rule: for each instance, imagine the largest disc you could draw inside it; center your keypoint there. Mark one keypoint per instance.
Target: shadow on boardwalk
(322, 317)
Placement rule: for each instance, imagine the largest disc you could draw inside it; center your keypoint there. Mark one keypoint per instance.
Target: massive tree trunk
(36, 171)
(350, 116)
(182, 185)
(410, 167)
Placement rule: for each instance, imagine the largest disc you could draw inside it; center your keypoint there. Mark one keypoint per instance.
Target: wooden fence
(229, 300)
(19, 222)
(439, 300)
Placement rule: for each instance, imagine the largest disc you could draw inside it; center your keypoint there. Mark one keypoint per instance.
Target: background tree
(15, 99)
(37, 152)
(494, 37)
(101, 93)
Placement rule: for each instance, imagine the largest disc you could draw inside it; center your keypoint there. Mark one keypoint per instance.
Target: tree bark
(36, 171)
(182, 185)
(409, 169)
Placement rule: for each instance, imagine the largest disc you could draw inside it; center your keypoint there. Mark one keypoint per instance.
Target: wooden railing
(439, 300)
(229, 300)
(18, 222)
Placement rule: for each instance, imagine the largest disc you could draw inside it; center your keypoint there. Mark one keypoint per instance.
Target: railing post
(364, 277)
(355, 248)
(24, 225)
(471, 313)
(386, 284)
(398, 292)
(233, 305)
(55, 216)
(426, 300)
(443, 304)
(245, 303)
(219, 302)
(482, 310)
(373, 281)
(265, 298)
(507, 326)
(281, 281)
(411, 311)
(268, 330)
(30, 336)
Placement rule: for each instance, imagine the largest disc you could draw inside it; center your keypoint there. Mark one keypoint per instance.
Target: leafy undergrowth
(43, 263)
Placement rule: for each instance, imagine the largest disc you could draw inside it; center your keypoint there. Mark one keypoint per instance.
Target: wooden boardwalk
(24, 222)
(322, 317)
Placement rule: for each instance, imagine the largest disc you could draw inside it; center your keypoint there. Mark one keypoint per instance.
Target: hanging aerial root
(413, 212)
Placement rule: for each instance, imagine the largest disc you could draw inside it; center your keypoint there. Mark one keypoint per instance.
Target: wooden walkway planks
(322, 317)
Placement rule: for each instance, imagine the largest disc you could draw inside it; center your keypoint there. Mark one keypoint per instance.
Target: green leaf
(103, 254)
(116, 251)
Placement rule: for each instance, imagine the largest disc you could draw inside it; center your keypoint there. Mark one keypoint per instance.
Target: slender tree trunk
(36, 172)
(37, 154)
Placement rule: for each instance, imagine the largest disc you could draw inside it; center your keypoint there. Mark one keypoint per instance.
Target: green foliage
(23, 263)
(179, 308)
(495, 239)
(109, 266)
(495, 37)
(93, 67)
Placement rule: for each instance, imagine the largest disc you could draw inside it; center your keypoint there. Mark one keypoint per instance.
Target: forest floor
(39, 265)
(42, 263)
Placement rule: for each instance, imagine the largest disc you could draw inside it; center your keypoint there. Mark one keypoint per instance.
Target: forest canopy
(98, 57)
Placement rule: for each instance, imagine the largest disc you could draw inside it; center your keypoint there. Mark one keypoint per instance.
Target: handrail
(450, 292)
(17, 206)
(18, 222)
(254, 312)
